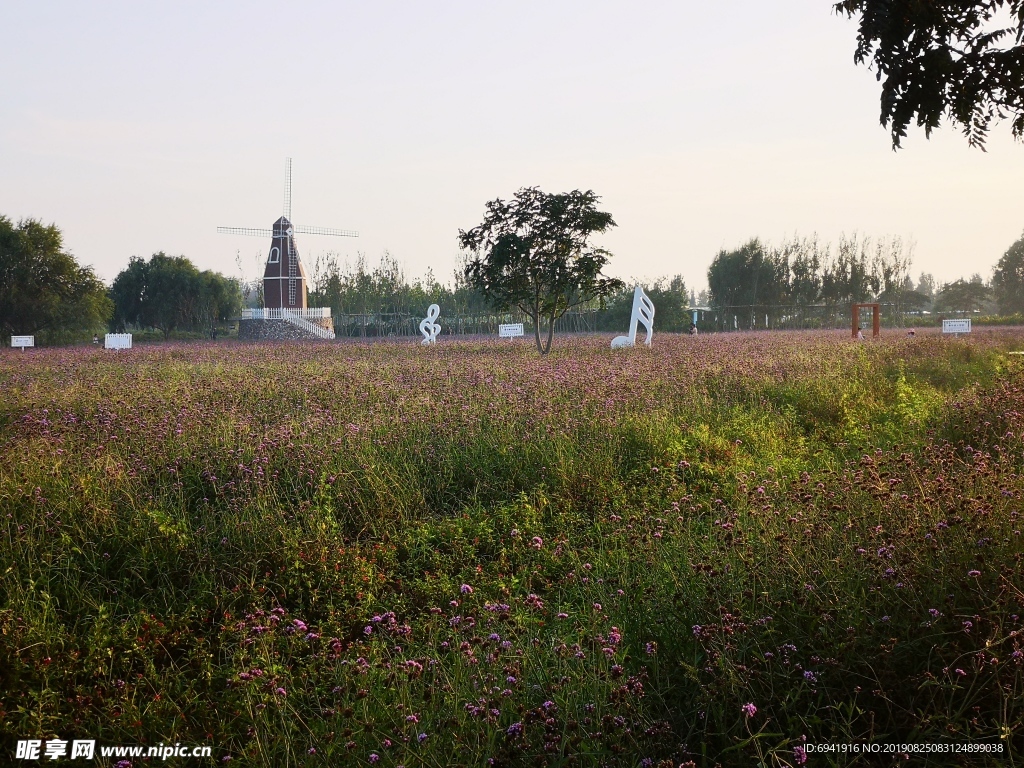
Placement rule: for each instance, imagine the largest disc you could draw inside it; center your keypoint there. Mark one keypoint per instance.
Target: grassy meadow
(715, 552)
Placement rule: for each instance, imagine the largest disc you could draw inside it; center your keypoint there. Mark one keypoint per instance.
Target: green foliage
(386, 290)
(1008, 280)
(804, 272)
(169, 293)
(533, 253)
(43, 290)
(749, 275)
(944, 59)
(962, 296)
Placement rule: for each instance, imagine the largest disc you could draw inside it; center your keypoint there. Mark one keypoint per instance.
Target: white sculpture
(428, 327)
(643, 311)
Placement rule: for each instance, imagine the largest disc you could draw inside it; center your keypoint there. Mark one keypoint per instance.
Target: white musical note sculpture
(643, 311)
(428, 327)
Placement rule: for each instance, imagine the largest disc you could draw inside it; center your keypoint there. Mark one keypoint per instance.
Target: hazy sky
(141, 127)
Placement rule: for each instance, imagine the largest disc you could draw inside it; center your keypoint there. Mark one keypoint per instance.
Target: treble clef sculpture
(428, 327)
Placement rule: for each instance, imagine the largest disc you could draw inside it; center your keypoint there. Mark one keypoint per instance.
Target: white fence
(23, 341)
(286, 314)
(117, 341)
(508, 330)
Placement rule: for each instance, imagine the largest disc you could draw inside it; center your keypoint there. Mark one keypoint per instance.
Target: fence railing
(384, 324)
(759, 317)
(285, 314)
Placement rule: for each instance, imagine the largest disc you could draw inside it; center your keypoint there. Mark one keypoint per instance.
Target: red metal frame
(876, 318)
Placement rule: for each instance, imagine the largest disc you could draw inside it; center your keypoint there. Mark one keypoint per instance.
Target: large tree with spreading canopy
(533, 253)
(43, 289)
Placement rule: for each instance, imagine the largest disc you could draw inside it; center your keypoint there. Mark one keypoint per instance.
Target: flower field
(724, 550)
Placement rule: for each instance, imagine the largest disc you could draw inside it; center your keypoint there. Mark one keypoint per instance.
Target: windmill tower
(284, 278)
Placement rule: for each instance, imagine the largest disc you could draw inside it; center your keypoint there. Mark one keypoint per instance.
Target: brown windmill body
(284, 279)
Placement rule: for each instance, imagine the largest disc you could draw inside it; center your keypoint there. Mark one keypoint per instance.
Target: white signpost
(428, 325)
(957, 326)
(23, 341)
(643, 311)
(508, 330)
(117, 341)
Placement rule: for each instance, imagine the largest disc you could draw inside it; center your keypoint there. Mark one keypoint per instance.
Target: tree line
(44, 291)
(803, 272)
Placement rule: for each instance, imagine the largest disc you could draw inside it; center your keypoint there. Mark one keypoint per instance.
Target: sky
(142, 127)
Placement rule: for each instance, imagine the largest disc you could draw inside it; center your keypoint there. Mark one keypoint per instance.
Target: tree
(926, 284)
(42, 288)
(943, 58)
(1008, 280)
(962, 296)
(851, 275)
(533, 253)
(805, 268)
(749, 276)
(169, 293)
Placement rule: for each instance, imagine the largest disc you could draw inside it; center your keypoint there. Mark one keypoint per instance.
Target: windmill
(284, 279)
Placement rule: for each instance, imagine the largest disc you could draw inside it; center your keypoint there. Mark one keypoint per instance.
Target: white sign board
(957, 326)
(117, 341)
(508, 330)
(23, 341)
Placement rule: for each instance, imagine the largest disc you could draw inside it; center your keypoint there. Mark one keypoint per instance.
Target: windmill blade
(288, 189)
(245, 231)
(325, 231)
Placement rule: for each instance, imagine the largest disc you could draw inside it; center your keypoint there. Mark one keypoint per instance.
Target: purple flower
(515, 729)
(466, 589)
(421, 738)
(974, 574)
(748, 709)
(799, 755)
(374, 757)
(537, 542)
